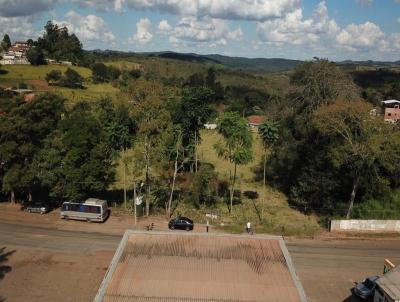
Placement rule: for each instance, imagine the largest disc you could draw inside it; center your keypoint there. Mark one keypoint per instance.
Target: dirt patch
(40, 85)
(38, 275)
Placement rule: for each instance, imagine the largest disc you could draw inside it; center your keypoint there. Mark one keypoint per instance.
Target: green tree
(321, 82)
(23, 131)
(58, 44)
(154, 129)
(35, 56)
(194, 113)
(205, 185)
(269, 135)
(237, 144)
(87, 162)
(72, 79)
(6, 42)
(53, 77)
(359, 142)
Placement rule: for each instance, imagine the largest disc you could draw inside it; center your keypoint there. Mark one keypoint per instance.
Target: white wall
(365, 225)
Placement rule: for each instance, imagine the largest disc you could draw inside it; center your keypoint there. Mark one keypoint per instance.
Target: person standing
(248, 227)
(207, 226)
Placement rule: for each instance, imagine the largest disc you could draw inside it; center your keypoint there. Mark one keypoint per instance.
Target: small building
(210, 126)
(254, 121)
(391, 110)
(388, 287)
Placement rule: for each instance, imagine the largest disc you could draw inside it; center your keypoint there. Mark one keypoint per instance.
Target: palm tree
(269, 135)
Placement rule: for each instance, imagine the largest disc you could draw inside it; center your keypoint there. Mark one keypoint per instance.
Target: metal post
(134, 201)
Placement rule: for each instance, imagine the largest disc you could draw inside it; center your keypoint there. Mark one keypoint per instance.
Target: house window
(389, 114)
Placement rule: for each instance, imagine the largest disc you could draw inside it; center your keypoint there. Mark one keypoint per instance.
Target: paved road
(327, 268)
(55, 240)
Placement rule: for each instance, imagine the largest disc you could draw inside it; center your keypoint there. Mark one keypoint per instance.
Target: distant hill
(257, 65)
(251, 65)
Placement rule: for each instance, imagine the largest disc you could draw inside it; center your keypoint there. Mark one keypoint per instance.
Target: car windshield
(369, 284)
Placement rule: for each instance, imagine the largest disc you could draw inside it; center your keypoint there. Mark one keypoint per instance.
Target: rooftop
(390, 283)
(256, 119)
(389, 102)
(173, 266)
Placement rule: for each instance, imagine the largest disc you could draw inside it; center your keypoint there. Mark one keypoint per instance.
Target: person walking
(248, 227)
(207, 226)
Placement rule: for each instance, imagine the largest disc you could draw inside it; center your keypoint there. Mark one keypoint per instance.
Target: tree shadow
(4, 269)
(352, 298)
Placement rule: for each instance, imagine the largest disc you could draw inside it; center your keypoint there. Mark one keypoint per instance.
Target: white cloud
(102, 5)
(395, 41)
(17, 27)
(360, 36)
(15, 8)
(259, 10)
(90, 28)
(164, 27)
(197, 30)
(294, 29)
(143, 34)
(235, 35)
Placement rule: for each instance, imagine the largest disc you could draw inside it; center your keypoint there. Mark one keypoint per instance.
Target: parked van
(91, 210)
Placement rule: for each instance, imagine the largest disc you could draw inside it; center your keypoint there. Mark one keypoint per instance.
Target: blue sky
(295, 29)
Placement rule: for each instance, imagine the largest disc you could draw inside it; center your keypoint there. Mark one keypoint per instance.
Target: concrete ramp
(189, 267)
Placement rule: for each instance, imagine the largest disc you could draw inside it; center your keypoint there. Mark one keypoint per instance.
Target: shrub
(251, 194)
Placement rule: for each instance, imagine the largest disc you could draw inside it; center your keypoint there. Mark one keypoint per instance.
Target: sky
(292, 29)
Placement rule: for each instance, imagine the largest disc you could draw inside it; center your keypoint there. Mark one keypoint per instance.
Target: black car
(365, 289)
(181, 223)
(37, 207)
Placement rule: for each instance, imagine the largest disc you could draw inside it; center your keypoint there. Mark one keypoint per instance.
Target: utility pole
(134, 201)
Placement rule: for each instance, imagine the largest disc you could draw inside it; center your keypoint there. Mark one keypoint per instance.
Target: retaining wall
(365, 225)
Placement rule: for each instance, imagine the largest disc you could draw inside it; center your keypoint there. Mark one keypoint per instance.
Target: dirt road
(44, 259)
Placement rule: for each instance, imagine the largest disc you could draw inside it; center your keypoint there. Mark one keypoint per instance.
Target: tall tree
(87, 163)
(6, 42)
(269, 135)
(358, 141)
(237, 145)
(195, 111)
(23, 131)
(154, 122)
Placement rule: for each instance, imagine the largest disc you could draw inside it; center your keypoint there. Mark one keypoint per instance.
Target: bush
(99, 72)
(251, 194)
(53, 77)
(72, 79)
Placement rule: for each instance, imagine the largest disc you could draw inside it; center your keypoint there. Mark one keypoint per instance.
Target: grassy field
(270, 213)
(34, 77)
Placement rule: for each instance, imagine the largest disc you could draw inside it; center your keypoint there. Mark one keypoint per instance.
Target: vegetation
(140, 119)
(5, 43)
